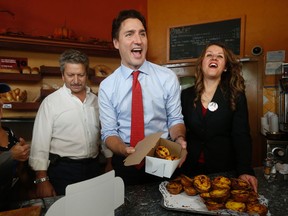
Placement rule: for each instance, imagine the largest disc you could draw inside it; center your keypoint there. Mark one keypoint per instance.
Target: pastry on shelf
(102, 71)
(35, 70)
(26, 70)
(15, 95)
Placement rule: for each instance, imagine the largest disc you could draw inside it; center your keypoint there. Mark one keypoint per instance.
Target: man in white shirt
(66, 133)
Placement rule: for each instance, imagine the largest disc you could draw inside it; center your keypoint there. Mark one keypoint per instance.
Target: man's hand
(129, 150)
(45, 189)
(117, 146)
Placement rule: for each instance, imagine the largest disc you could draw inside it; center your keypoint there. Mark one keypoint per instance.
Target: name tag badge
(212, 106)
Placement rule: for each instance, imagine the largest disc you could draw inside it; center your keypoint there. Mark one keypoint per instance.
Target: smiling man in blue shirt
(160, 92)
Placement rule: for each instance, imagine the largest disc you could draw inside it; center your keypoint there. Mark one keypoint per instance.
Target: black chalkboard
(187, 42)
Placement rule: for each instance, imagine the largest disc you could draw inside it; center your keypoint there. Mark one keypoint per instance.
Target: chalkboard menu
(187, 42)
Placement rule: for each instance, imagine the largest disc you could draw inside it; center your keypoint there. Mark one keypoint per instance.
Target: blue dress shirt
(161, 101)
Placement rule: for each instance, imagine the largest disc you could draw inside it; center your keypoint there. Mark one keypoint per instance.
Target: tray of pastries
(212, 196)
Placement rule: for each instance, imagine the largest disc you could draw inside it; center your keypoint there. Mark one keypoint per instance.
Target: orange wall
(88, 18)
(266, 21)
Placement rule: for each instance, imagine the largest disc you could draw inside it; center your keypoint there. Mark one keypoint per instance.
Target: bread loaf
(15, 95)
(102, 71)
(35, 70)
(26, 70)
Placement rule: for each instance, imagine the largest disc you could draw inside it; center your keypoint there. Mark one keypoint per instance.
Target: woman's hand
(20, 151)
(252, 180)
(181, 140)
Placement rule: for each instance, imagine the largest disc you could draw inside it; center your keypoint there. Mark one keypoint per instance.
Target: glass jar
(269, 169)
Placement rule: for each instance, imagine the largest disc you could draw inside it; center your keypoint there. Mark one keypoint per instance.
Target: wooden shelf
(48, 45)
(24, 106)
(50, 71)
(55, 71)
(15, 77)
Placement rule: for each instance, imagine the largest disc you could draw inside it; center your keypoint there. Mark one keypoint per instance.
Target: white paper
(273, 68)
(276, 56)
(273, 123)
(97, 196)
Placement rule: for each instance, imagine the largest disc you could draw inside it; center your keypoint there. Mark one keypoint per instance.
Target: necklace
(206, 98)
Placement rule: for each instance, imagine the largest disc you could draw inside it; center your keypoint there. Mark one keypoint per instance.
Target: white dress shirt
(65, 126)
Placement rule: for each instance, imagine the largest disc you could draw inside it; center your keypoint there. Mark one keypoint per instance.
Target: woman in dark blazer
(216, 117)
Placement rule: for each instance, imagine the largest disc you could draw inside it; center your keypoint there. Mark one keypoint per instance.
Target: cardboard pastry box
(153, 165)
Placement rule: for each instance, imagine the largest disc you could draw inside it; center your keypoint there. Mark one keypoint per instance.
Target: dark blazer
(223, 135)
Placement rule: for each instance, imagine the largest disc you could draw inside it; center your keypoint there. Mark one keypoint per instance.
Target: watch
(40, 180)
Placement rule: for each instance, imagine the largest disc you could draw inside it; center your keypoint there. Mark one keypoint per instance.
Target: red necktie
(137, 114)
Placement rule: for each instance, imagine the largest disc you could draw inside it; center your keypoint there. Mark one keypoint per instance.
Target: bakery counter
(146, 199)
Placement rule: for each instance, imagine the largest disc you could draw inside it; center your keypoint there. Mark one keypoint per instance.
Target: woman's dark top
(7, 169)
(12, 139)
(222, 135)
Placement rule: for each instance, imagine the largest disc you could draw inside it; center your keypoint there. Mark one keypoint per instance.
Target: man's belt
(55, 158)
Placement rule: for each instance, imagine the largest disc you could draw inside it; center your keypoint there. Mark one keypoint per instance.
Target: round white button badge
(212, 106)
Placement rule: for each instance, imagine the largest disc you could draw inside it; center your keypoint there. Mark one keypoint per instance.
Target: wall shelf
(48, 45)
(50, 71)
(23, 106)
(17, 77)
(55, 71)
